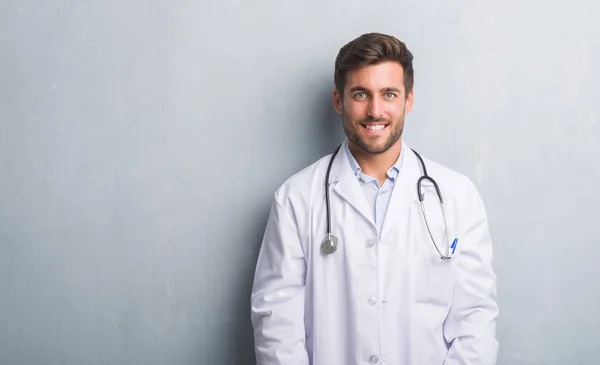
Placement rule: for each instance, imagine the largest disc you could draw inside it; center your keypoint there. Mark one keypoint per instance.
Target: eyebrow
(386, 89)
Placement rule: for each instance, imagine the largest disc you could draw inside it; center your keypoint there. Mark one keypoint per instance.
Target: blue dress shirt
(378, 197)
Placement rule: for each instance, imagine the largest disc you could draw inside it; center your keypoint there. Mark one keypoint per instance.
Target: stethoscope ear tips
(329, 244)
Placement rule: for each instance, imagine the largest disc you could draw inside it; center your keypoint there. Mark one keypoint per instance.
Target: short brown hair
(371, 49)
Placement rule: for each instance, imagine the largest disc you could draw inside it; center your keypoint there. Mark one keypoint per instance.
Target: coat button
(371, 242)
(372, 300)
(373, 359)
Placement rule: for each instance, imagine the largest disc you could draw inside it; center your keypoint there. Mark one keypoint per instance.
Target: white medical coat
(376, 300)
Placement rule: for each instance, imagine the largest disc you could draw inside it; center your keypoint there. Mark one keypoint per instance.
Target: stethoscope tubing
(330, 242)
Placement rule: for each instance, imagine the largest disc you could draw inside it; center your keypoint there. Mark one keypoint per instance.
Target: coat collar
(344, 183)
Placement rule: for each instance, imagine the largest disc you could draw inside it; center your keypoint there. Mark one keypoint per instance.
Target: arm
(471, 324)
(277, 302)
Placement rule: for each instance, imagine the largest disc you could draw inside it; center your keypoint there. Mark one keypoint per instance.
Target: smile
(374, 128)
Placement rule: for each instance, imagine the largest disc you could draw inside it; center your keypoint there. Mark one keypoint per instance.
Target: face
(373, 105)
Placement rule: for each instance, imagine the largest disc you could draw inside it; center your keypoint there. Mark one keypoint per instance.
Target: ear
(409, 101)
(337, 100)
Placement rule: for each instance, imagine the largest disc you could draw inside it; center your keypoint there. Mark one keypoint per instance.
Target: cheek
(397, 110)
(354, 111)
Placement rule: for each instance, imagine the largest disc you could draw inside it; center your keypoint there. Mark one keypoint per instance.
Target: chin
(373, 149)
(377, 151)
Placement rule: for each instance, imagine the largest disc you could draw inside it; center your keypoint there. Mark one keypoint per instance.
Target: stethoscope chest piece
(329, 244)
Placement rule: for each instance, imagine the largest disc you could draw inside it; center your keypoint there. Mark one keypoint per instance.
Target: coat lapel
(346, 185)
(404, 194)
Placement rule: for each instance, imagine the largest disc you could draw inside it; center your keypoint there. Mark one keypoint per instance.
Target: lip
(374, 132)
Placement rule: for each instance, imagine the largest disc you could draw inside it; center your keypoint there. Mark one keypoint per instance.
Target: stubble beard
(351, 130)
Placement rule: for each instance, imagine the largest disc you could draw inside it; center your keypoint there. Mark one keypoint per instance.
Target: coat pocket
(434, 277)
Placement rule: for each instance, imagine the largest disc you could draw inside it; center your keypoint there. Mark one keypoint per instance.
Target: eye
(360, 95)
(389, 95)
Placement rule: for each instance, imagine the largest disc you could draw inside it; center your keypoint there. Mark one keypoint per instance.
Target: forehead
(382, 75)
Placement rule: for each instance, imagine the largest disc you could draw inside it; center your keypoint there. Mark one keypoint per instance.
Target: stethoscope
(330, 243)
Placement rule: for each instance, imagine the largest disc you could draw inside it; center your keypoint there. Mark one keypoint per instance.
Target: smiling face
(373, 105)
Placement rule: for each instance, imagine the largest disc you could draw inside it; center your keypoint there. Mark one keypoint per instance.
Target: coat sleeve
(471, 324)
(277, 300)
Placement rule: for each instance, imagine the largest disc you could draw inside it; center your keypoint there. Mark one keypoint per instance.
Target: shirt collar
(392, 172)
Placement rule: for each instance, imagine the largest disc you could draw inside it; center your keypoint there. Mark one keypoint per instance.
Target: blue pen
(454, 243)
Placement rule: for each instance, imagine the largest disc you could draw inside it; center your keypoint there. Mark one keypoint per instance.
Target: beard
(352, 130)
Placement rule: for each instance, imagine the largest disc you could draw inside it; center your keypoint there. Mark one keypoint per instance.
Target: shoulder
(300, 185)
(458, 191)
(450, 181)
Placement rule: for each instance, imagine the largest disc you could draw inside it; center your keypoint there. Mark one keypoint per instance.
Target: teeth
(377, 127)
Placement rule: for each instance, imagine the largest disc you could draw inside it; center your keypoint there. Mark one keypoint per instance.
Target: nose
(375, 108)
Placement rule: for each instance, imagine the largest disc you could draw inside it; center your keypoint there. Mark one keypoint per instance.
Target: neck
(376, 165)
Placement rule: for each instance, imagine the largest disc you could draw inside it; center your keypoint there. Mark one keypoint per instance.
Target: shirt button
(372, 300)
(373, 359)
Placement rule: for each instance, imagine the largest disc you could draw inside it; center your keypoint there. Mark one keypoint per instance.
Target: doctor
(378, 280)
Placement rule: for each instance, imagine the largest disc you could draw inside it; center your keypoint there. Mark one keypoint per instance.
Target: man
(378, 280)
